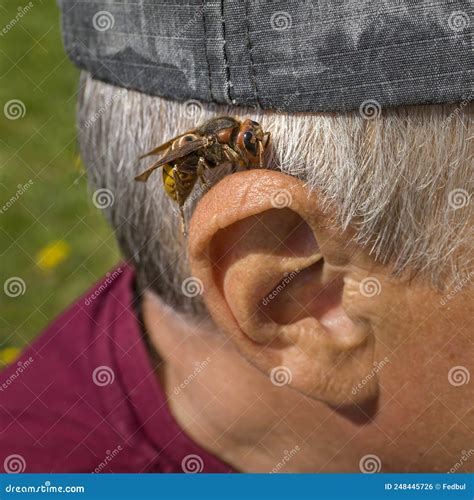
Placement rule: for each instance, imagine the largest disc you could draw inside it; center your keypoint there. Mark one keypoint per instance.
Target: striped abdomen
(186, 183)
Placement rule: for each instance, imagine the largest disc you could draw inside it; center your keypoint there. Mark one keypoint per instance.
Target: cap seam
(250, 51)
(227, 83)
(204, 19)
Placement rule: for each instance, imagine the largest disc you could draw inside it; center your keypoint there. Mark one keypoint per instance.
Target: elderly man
(318, 315)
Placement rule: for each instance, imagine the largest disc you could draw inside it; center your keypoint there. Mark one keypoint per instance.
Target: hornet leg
(233, 157)
(201, 167)
(179, 199)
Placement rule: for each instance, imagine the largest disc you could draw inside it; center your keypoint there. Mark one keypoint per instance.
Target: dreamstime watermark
(378, 365)
(47, 487)
(370, 464)
(14, 287)
(192, 287)
(458, 198)
(103, 198)
(110, 278)
(458, 376)
(21, 11)
(370, 109)
(288, 278)
(21, 366)
(281, 20)
(370, 287)
(458, 21)
(287, 456)
(14, 464)
(285, 103)
(198, 368)
(465, 456)
(107, 104)
(193, 109)
(21, 190)
(457, 288)
(198, 16)
(281, 199)
(458, 110)
(103, 20)
(280, 376)
(109, 456)
(14, 109)
(103, 375)
(192, 464)
(196, 193)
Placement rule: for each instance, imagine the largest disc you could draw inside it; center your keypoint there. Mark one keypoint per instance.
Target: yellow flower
(78, 165)
(53, 254)
(9, 354)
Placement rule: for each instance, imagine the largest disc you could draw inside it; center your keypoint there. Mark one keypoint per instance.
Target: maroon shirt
(84, 396)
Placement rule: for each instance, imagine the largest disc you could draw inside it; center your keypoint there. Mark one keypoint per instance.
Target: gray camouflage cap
(290, 55)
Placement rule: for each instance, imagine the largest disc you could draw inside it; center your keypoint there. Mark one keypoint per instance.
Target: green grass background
(41, 146)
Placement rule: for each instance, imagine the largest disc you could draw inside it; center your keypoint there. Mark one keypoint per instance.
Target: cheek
(422, 341)
(425, 395)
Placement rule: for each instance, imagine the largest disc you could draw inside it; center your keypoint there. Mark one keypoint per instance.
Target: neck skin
(234, 411)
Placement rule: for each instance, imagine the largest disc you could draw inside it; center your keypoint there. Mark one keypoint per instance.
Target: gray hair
(401, 177)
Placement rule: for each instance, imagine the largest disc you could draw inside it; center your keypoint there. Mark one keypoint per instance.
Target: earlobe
(272, 284)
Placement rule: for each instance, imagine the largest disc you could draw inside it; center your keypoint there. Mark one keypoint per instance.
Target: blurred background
(54, 243)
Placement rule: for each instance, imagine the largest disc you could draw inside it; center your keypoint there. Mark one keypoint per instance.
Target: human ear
(273, 266)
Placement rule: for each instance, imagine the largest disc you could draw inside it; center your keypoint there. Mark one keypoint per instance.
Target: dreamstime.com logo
(281, 20)
(199, 367)
(457, 288)
(465, 456)
(459, 375)
(103, 198)
(193, 109)
(280, 376)
(287, 456)
(14, 287)
(370, 464)
(110, 278)
(14, 464)
(280, 287)
(103, 20)
(458, 198)
(22, 189)
(100, 111)
(458, 21)
(192, 464)
(281, 199)
(458, 109)
(192, 287)
(103, 375)
(14, 109)
(197, 192)
(197, 17)
(109, 456)
(46, 487)
(378, 365)
(21, 366)
(370, 109)
(286, 102)
(21, 11)
(370, 287)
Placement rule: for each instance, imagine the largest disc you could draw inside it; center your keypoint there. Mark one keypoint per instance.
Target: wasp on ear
(217, 142)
